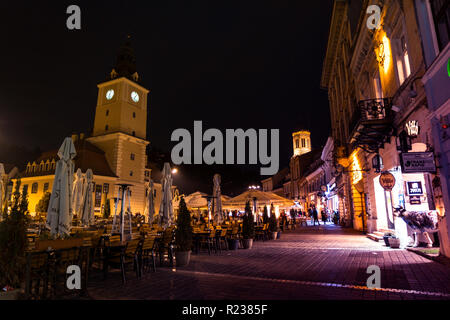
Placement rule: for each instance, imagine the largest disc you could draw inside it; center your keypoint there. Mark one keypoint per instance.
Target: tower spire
(125, 63)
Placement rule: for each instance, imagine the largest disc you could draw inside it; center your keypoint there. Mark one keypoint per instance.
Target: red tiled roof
(88, 157)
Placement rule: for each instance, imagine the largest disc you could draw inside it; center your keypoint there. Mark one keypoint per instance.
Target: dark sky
(230, 64)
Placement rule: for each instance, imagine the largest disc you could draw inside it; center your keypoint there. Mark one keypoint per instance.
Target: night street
(307, 263)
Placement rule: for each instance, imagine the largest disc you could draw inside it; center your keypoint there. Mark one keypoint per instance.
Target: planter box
(42, 245)
(394, 243)
(10, 295)
(386, 240)
(247, 243)
(182, 258)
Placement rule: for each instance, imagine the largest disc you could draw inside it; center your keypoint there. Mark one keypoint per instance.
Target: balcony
(372, 124)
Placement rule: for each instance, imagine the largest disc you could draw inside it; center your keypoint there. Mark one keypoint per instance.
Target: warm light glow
(174, 170)
(384, 53)
(356, 169)
(277, 212)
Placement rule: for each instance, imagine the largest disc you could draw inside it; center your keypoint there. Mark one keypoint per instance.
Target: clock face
(110, 94)
(135, 96)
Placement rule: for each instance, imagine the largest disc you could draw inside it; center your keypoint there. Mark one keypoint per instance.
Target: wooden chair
(166, 244)
(221, 238)
(148, 251)
(36, 271)
(262, 233)
(129, 255)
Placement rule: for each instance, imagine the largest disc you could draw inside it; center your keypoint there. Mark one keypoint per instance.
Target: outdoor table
(198, 236)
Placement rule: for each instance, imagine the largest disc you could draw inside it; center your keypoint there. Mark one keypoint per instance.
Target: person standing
(315, 216)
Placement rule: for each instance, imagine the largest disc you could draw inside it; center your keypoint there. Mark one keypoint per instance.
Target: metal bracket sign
(414, 162)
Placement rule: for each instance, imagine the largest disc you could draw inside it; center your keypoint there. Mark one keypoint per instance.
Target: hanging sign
(414, 188)
(412, 128)
(387, 181)
(414, 200)
(414, 162)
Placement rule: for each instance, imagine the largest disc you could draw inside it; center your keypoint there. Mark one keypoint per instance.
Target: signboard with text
(414, 200)
(414, 188)
(416, 162)
(387, 181)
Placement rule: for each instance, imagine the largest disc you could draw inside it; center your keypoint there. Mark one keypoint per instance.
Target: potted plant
(248, 227)
(394, 242)
(386, 237)
(273, 223)
(13, 244)
(183, 235)
(265, 215)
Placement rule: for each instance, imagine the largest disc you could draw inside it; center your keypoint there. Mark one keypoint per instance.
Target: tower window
(132, 156)
(107, 112)
(134, 114)
(131, 173)
(106, 128)
(133, 133)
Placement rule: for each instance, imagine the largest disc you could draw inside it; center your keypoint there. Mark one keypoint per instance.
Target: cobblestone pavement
(325, 262)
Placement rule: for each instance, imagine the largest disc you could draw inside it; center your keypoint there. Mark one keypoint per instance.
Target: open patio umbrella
(2, 188)
(87, 207)
(59, 215)
(150, 203)
(166, 207)
(218, 215)
(77, 194)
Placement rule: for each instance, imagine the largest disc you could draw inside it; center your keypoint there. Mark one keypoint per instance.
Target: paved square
(325, 262)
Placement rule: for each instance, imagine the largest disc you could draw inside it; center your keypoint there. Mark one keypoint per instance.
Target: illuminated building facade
(116, 150)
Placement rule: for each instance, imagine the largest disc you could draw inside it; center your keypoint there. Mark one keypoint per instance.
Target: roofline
(110, 82)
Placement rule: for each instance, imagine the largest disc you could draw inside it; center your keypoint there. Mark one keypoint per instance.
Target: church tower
(302, 142)
(120, 126)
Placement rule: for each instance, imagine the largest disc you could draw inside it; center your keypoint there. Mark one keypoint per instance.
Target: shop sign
(414, 188)
(412, 127)
(414, 200)
(387, 181)
(414, 162)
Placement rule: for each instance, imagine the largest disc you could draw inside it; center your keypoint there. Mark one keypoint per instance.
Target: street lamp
(174, 170)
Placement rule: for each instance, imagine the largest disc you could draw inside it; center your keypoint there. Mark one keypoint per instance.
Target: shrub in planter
(386, 237)
(13, 241)
(183, 235)
(248, 227)
(265, 215)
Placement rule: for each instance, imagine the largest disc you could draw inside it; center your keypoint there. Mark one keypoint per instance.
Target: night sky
(230, 64)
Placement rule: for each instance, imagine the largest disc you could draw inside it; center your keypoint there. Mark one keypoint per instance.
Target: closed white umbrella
(60, 212)
(218, 215)
(2, 188)
(166, 207)
(87, 207)
(150, 203)
(77, 194)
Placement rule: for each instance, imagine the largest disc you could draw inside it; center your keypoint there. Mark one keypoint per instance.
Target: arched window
(34, 187)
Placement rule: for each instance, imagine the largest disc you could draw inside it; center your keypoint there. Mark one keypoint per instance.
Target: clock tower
(120, 125)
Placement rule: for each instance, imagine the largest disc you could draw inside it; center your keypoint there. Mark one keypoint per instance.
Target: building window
(134, 114)
(440, 10)
(106, 128)
(133, 133)
(34, 188)
(154, 193)
(303, 143)
(132, 156)
(131, 173)
(25, 188)
(107, 112)
(45, 187)
(403, 66)
(378, 91)
(296, 143)
(147, 173)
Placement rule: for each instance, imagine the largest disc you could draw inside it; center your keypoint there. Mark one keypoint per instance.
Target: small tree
(248, 224)
(42, 205)
(107, 210)
(273, 221)
(13, 241)
(183, 234)
(265, 215)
